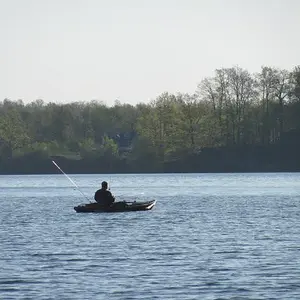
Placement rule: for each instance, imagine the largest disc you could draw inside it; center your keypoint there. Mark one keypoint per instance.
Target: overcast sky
(133, 50)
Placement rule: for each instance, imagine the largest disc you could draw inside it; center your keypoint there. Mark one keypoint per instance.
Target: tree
(13, 134)
(109, 147)
(295, 81)
(193, 112)
(266, 84)
(231, 94)
(283, 88)
(160, 125)
(215, 92)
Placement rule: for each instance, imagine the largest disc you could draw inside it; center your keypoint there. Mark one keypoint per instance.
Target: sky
(133, 50)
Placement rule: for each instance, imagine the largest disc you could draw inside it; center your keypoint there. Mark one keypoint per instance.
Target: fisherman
(103, 196)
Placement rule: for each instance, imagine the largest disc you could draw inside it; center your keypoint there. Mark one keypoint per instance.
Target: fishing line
(57, 166)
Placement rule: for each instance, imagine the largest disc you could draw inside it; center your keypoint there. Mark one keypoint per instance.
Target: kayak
(121, 206)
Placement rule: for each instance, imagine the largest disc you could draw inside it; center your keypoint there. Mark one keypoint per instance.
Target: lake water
(210, 236)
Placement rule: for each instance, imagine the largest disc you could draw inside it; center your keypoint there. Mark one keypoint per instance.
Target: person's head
(104, 185)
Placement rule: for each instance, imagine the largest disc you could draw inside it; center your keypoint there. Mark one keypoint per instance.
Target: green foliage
(13, 134)
(43, 149)
(233, 107)
(160, 124)
(109, 147)
(86, 147)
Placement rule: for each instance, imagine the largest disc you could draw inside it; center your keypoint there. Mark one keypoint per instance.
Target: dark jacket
(104, 197)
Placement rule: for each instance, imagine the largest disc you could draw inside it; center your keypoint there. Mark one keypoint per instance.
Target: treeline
(235, 121)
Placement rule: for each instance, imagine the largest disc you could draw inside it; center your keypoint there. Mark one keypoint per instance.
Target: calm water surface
(210, 236)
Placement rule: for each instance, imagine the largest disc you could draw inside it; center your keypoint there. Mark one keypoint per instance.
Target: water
(210, 236)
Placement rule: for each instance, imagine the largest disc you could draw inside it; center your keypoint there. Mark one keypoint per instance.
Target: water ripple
(210, 241)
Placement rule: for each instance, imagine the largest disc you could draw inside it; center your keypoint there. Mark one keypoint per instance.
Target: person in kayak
(103, 196)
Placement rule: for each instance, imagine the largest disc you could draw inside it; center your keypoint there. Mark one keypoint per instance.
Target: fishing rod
(57, 166)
